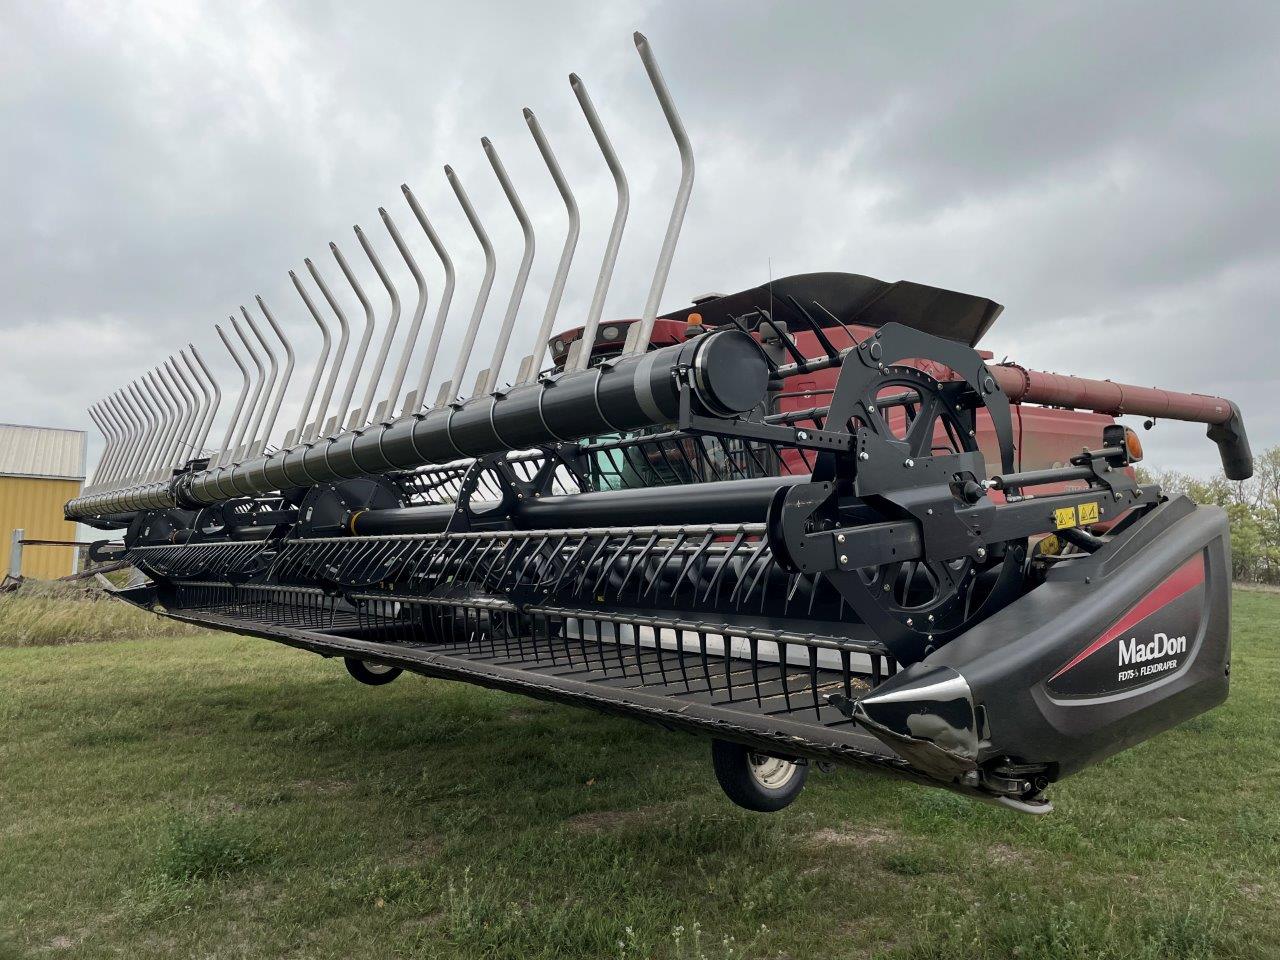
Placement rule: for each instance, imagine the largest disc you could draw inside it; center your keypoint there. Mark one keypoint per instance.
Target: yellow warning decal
(1088, 513)
(1064, 517)
(1050, 546)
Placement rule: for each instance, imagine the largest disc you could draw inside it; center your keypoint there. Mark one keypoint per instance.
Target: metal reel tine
(134, 397)
(122, 435)
(147, 387)
(109, 440)
(105, 415)
(411, 338)
(486, 284)
(155, 418)
(197, 383)
(204, 405)
(131, 435)
(300, 432)
(128, 432)
(133, 429)
(522, 273)
(213, 408)
(193, 407)
(370, 322)
(268, 383)
(339, 352)
(285, 375)
(371, 388)
(596, 309)
(639, 335)
(165, 454)
(176, 411)
(236, 442)
(531, 364)
(446, 296)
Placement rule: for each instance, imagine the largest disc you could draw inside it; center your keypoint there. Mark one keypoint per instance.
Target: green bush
(202, 848)
(1252, 505)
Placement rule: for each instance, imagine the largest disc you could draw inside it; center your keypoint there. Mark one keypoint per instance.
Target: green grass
(224, 796)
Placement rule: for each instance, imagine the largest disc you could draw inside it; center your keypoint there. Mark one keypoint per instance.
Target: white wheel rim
(771, 772)
(377, 668)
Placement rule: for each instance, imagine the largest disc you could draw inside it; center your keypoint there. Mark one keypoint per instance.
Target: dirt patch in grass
(1003, 855)
(852, 836)
(611, 821)
(416, 852)
(324, 786)
(1251, 890)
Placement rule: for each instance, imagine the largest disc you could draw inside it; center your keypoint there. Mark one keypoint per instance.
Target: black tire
(374, 674)
(755, 781)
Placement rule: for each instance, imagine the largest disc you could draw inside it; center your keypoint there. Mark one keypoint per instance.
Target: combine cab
(811, 521)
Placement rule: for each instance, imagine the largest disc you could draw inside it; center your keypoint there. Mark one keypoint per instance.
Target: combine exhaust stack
(865, 562)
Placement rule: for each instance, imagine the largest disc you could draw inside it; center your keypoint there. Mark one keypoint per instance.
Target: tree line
(1253, 506)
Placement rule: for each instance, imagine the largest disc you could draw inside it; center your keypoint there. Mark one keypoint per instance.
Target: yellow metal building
(41, 468)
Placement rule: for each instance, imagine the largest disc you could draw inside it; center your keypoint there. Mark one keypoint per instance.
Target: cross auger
(812, 521)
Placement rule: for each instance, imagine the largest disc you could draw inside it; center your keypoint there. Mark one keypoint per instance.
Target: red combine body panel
(1046, 436)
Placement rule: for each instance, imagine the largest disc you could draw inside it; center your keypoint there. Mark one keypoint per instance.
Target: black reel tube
(724, 374)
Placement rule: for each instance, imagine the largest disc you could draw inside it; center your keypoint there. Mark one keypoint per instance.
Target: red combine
(1054, 416)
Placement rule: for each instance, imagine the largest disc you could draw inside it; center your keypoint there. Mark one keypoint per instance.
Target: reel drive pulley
(794, 519)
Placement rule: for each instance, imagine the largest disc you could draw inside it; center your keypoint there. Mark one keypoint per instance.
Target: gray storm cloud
(1106, 171)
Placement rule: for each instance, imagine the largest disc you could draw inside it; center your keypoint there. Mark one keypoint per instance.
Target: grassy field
(207, 795)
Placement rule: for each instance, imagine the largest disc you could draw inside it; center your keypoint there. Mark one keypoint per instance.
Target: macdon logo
(1162, 645)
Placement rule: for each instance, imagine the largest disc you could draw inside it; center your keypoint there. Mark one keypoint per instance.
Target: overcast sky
(1106, 171)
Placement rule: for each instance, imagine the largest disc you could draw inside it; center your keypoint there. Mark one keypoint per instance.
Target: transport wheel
(374, 674)
(756, 781)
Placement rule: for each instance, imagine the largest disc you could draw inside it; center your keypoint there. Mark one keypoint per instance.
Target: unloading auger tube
(815, 528)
